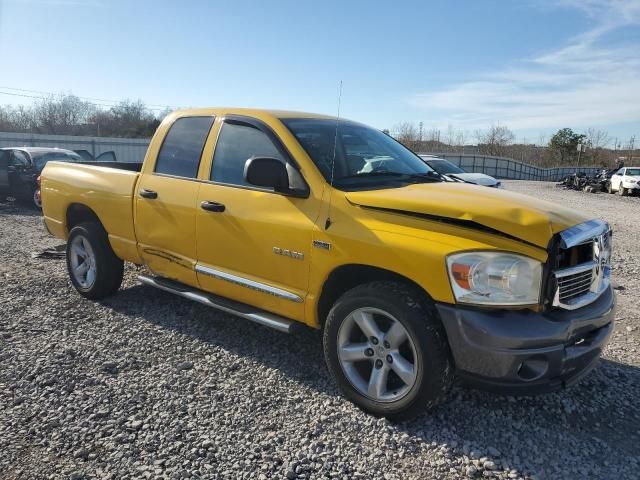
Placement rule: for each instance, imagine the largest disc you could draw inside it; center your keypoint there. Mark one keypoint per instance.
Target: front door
(21, 181)
(253, 244)
(4, 172)
(166, 199)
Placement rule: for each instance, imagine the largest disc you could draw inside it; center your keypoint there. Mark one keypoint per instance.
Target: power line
(84, 98)
(90, 100)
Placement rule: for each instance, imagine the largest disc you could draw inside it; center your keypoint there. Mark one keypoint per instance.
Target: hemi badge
(321, 244)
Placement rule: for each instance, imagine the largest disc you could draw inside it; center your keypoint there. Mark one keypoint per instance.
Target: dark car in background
(20, 168)
(448, 169)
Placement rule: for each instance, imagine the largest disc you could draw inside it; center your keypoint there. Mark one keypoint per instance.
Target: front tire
(622, 191)
(387, 350)
(94, 269)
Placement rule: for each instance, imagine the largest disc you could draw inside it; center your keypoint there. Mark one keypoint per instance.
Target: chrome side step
(229, 306)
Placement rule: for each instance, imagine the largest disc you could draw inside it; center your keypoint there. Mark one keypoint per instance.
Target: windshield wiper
(455, 177)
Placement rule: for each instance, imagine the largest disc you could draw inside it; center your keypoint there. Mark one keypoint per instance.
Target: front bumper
(524, 352)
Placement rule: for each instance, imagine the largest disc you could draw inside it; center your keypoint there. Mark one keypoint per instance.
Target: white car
(625, 181)
(448, 169)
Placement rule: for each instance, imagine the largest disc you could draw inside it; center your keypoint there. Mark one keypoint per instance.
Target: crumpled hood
(477, 178)
(521, 216)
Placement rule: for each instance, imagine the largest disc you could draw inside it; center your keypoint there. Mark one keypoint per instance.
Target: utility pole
(581, 148)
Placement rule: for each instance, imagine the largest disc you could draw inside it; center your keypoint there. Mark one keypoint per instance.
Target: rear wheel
(37, 200)
(94, 269)
(386, 349)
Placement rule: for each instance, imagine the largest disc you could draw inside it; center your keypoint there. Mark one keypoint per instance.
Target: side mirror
(267, 172)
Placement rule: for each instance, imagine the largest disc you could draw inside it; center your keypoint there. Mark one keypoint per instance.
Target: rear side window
(182, 147)
(19, 159)
(236, 144)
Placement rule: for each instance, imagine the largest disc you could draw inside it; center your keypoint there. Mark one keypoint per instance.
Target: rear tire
(94, 269)
(609, 189)
(36, 199)
(399, 370)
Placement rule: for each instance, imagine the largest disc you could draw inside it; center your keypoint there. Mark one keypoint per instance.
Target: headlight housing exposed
(494, 278)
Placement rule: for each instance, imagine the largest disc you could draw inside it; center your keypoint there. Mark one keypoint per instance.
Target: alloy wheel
(83, 262)
(377, 354)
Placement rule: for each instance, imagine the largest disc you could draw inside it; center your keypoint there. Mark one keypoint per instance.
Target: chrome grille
(575, 284)
(580, 284)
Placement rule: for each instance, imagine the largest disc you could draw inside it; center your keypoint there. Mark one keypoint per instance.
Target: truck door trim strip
(245, 282)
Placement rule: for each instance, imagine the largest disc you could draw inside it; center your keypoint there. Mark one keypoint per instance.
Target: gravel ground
(147, 385)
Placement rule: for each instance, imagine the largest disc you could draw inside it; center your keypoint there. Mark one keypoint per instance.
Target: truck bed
(107, 190)
(131, 166)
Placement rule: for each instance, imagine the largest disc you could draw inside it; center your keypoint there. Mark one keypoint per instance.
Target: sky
(532, 65)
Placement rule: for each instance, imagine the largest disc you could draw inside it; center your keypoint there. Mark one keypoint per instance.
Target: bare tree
(407, 134)
(630, 149)
(460, 141)
(494, 140)
(69, 114)
(61, 114)
(450, 138)
(597, 141)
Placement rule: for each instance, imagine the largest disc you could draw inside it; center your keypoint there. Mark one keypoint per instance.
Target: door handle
(145, 193)
(212, 206)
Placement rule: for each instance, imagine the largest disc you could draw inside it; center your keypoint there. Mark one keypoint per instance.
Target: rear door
(165, 203)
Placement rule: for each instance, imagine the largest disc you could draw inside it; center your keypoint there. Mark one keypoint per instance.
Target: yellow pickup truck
(287, 218)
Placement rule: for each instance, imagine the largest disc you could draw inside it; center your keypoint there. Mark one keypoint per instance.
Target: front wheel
(622, 191)
(94, 269)
(387, 351)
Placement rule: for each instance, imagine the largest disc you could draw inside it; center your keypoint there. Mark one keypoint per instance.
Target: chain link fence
(507, 168)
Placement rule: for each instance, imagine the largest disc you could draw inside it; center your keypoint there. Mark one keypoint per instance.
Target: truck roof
(252, 112)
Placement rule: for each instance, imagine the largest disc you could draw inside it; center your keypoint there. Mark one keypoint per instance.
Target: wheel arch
(78, 213)
(348, 276)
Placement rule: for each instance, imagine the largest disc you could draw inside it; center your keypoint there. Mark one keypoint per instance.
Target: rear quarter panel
(106, 191)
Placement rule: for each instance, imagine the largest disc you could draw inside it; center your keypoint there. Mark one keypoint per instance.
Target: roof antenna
(327, 223)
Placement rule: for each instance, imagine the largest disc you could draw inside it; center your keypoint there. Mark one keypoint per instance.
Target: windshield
(444, 167)
(634, 172)
(40, 159)
(365, 158)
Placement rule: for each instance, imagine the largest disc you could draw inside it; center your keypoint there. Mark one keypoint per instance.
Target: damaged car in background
(625, 181)
(451, 171)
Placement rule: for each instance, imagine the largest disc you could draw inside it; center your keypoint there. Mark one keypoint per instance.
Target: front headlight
(494, 278)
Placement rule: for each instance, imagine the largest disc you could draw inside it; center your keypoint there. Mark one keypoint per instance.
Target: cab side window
(237, 143)
(182, 147)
